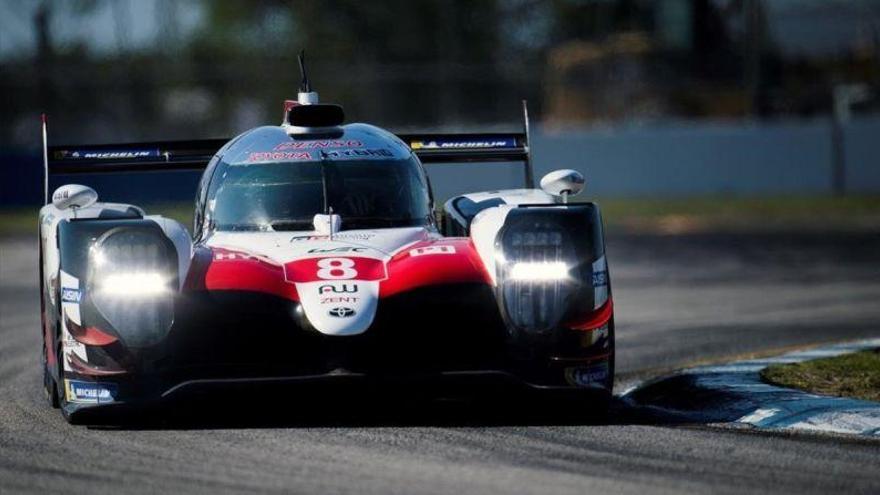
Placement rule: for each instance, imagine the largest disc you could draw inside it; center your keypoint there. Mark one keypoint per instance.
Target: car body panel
(291, 305)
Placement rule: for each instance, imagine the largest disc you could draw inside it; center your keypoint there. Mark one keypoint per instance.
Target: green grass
(666, 215)
(18, 221)
(855, 375)
(782, 213)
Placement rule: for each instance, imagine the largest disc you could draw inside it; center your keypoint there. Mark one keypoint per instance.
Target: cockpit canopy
(267, 180)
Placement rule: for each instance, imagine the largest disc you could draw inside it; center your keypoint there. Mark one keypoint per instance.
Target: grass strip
(855, 375)
(644, 215)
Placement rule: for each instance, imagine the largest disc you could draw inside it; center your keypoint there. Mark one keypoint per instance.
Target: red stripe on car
(77, 365)
(437, 262)
(88, 335)
(238, 270)
(595, 319)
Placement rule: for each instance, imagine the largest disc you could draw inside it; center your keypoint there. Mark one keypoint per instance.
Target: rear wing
(162, 156)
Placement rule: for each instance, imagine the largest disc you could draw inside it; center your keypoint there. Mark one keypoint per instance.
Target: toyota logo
(341, 312)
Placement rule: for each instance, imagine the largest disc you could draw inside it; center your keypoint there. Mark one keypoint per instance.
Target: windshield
(286, 195)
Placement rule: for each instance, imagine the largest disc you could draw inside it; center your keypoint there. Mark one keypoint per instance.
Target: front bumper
(241, 344)
(143, 397)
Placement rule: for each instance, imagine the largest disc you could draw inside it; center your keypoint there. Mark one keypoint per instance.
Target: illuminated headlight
(540, 271)
(132, 282)
(534, 262)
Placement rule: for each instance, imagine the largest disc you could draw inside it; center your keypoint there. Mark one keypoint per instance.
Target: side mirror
(563, 183)
(74, 196)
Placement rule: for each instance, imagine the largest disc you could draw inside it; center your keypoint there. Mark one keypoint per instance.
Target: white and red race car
(316, 255)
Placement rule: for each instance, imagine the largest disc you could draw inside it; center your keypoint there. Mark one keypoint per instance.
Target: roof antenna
(305, 87)
(306, 95)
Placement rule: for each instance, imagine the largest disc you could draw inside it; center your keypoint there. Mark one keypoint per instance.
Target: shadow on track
(374, 407)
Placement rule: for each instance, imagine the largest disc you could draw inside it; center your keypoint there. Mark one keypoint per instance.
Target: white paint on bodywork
(282, 248)
(507, 196)
(50, 217)
(363, 303)
(515, 196)
(485, 225)
(69, 345)
(182, 241)
(484, 229)
(600, 292)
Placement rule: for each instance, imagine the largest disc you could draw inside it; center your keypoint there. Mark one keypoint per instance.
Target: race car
(317, 255)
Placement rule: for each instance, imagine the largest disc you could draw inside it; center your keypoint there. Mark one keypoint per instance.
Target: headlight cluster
(540, 271)
(535, 260)
(132, 282)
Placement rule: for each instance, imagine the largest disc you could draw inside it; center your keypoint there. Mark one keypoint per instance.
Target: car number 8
(336, 269)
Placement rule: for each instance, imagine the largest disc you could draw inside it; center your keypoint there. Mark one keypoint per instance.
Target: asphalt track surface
(679, 299)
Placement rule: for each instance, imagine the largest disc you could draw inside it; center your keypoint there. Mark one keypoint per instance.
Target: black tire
(591, 405)
(59, 387)
(613, 346)
(50, 387)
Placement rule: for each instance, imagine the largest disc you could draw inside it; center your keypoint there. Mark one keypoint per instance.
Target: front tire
(50, 387)
(60, 394)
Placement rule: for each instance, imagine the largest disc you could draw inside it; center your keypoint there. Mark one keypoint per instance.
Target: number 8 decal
(336, 269)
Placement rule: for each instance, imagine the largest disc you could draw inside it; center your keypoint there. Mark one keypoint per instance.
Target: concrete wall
(678, 158)
(681, 158)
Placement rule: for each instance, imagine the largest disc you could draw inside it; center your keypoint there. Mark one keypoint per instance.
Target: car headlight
(535, 259)
(132, 282)
(544, 259)
(539, 271)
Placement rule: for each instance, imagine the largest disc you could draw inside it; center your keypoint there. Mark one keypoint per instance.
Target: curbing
(735, 393)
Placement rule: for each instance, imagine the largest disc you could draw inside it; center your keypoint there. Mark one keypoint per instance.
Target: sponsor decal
(278, 156)
(232, 256)
(591, 337)
(587, 376)
(423, 251)
(303, 145)
(341, 312)
(329, 269)
(359, 236)
(90, 392)
(282, 156)
(343, 249)
(70, 345)
(70, 295)
(600, 278)
(111, 154)
(359, 153)
(224, 255)
(336, 269)
(338, 289)
(498, 142)
(339, 300)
